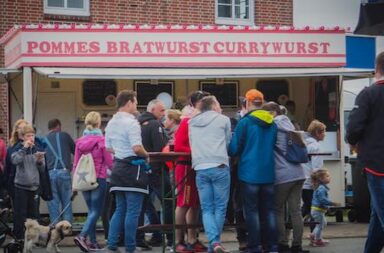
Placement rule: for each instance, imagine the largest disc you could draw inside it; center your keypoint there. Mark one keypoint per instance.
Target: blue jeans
(322, 222)
(258, 204)
(94, 198)
(375, 239)
(213, 185)
(61, 185)
(128, 208)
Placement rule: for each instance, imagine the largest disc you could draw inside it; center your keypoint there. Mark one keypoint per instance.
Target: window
(273, 89)
(97, 92)
(146, 91)
(234, 12)
(67, 7)
(226, 93)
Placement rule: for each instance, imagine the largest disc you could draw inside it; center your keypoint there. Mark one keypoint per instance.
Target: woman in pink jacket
(93, 142)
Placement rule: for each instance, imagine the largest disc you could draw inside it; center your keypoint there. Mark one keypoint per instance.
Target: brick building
(259, 12)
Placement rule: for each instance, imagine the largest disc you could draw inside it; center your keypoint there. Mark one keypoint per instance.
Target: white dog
(36, 234)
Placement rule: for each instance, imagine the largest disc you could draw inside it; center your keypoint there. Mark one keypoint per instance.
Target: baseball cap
(254, 95)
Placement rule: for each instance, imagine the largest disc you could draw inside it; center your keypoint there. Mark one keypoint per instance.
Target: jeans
(23, 207)
(322, 222)
(61, 185)
(258, 204)
(93, 199)
(128, 207)
(289, 194)
(213, 186)
(375, 239)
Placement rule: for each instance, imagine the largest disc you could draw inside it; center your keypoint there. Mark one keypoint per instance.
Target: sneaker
(243, 246)
(155, 242)
(318, 243)
(298, 249)
(94, 247)
(199, 247)
(183, 248)
(218, 248)
(81, 242)
(311, 237)
(143, 245)
(284, 248)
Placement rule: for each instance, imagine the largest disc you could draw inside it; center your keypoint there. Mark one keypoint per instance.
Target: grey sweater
(209, 137)
(285, 171)
(27, 169)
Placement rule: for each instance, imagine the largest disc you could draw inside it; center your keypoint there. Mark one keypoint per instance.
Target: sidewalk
(333, 230)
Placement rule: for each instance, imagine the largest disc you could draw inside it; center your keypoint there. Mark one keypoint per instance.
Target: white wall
(327, 13)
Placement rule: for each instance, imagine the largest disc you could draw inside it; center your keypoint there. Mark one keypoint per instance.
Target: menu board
(95, 91)
(226, 93)
(147, 91)
(273, 89)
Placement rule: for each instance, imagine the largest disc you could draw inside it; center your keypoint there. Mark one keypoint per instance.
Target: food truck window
(95, 92)
(226, 92)
(148, 90)
(326, 102)
(273, 89)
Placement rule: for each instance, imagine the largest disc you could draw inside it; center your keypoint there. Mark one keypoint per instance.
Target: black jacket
(152, 135)
(366, 127)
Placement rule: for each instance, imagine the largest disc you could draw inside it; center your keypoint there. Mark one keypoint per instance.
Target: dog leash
(52, 225)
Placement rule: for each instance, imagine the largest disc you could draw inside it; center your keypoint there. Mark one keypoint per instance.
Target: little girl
(320, 205)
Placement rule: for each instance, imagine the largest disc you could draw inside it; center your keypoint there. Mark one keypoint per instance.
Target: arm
(108, 159)
(236, 144)
(228, 132)
(322, 197)
(18, 156)
(134, 136)
(140, 151)
(76, 159)
(358, 117)
(182, 138)
(71, 143)
(316, 161)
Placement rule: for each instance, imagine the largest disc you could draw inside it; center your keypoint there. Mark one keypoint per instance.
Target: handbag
(84, 178)
(296, 149)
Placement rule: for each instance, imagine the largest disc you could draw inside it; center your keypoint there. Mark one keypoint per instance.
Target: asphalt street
(342, 245)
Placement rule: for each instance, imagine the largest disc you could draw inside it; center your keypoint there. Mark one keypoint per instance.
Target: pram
(14, 246)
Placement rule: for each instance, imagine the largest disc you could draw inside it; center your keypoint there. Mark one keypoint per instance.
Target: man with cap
(253, 142)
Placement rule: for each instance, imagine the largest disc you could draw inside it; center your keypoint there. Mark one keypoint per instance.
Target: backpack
(296, 149)
(84, 178)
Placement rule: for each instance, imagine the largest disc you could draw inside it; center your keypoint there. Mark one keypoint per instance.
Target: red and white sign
(172, 46)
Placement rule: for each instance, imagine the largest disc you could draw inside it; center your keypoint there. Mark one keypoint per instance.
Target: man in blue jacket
(253, 141)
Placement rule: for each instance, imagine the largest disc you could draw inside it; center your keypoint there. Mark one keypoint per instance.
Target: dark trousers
(155, 186)
(307, 203)
(24, 207)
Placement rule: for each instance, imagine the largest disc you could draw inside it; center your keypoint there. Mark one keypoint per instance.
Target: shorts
(185, 177)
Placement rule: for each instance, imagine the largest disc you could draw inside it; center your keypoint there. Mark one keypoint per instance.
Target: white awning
(195, 73)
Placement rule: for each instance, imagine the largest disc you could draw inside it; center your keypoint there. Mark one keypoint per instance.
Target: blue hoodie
(253, 141)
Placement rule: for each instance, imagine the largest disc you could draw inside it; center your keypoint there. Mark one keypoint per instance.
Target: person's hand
(28, 143)
(39, 155)
(354, 148)
(336, 204)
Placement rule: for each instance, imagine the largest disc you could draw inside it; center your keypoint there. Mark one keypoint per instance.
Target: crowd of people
(243, 160)
(237, 165)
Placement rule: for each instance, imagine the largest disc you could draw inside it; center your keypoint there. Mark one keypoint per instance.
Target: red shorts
(187, 195)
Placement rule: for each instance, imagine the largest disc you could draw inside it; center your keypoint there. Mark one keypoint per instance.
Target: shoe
(115, 251)
(199, 247)
(218, 248)
(311, 237)
(155, 242)
(81, 242)
(284, 248)
(318, 243)
(143, 245)
(94, 247)
(298, 249)
(183, 248)
(243, 246)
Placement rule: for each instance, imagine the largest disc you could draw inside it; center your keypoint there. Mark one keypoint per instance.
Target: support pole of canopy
(27, 94)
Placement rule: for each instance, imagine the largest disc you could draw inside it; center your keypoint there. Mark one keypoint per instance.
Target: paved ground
(345, 237)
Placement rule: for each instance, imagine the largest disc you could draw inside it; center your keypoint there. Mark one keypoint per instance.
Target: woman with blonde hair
(93, 142)
(171, 124)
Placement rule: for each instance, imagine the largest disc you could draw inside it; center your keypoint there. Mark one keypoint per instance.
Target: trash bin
(361, 199)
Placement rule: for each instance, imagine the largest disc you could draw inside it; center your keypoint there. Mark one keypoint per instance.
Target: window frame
(235, 21)
(68, 11)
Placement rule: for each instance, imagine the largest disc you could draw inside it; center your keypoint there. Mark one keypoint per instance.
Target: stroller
(14, 246)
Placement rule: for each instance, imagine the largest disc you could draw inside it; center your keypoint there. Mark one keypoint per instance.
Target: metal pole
(27, 94)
